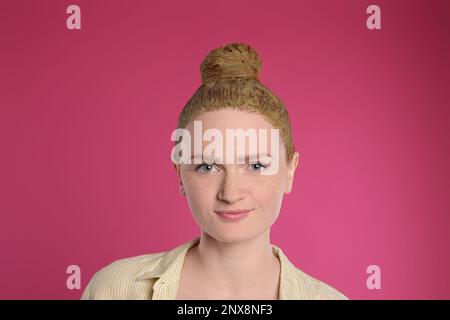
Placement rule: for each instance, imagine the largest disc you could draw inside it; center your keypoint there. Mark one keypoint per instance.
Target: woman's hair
(230, 80)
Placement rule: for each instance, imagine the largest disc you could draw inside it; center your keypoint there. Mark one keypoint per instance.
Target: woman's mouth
(233, 215)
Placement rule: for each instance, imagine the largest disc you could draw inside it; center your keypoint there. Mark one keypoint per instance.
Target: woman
(234, 203)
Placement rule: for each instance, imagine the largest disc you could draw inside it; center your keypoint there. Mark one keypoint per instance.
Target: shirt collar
(168, 268)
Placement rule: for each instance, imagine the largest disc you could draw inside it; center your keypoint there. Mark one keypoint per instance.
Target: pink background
(86, 118)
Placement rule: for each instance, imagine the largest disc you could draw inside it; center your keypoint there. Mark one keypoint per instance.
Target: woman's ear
(177, 169)
(292, 165)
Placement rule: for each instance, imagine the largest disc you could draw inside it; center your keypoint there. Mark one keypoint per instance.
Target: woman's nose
(231, 189)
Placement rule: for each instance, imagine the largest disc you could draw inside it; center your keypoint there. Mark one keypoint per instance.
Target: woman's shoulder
(124, 278)
(118, 278)
(318, 288)
(299, 285)
(129, 266)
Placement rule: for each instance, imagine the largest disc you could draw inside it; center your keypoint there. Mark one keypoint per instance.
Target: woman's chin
(233, 236)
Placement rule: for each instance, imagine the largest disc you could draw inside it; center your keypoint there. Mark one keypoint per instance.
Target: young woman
(234, 203)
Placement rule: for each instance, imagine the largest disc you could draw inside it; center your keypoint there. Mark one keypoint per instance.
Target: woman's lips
(233, 215)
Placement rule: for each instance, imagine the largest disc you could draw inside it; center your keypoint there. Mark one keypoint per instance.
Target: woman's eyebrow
(200, 157)
(253, 157)
(241, 158)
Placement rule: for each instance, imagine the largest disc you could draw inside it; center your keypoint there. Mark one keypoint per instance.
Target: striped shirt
(156, 276)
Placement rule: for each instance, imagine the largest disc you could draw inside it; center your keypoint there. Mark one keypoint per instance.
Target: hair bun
(235, 60)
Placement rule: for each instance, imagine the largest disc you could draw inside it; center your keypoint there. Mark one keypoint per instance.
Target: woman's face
(213, 187)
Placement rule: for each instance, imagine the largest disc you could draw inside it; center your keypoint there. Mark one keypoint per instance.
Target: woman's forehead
(230, 119)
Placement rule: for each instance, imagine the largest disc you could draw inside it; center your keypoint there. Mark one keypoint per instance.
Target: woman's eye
(205, 167)
(257, 166)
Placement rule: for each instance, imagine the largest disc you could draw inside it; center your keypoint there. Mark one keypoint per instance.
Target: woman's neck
(235, 265)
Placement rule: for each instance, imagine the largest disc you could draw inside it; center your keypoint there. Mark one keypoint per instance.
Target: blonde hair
(230, 80)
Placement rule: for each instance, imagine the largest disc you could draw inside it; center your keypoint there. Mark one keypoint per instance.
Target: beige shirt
(156, 276)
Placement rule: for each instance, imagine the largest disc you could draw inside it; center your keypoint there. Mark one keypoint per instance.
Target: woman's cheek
(271, 199)
(201, 195)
